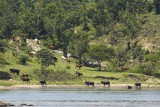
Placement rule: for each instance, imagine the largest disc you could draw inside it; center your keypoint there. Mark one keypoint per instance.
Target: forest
(114, 32)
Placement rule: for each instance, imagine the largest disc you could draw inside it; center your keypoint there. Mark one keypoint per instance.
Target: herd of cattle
(25, 78)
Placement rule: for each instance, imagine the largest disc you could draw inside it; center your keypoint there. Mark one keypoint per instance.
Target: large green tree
(101, 53)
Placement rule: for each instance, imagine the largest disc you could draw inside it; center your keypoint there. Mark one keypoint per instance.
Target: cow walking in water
(128, 87)
(138, 85)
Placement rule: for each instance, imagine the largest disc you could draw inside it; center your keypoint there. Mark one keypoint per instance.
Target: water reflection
(87, 97)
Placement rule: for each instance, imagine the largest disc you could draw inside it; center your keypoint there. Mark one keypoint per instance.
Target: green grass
(89, 74)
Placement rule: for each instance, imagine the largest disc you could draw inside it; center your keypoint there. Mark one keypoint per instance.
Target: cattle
(124, 69)
(69, 60)
(14, 71)
(55, 59)
(138, 85)
(25, 75)
(78, 74)
(64, 58)
(52, 47)
(31, 53)
(128, 87)
(78, 66)
(42, 82)
(24, 79)
(105, 83)
(88, 83)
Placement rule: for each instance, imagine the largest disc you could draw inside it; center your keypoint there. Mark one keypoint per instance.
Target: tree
(121, 55)
(157, 6)
(46, 58)
(101, 53)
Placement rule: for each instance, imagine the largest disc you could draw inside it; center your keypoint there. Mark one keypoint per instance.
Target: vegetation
(120, 33)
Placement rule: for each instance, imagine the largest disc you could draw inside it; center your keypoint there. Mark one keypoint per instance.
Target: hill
(113, 40)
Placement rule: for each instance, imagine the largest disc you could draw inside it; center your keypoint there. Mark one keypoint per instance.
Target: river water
(87, 97)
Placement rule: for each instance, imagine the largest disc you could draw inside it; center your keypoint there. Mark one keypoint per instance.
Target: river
(87, 97)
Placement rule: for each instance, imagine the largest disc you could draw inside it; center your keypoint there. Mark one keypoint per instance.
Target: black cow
(88, 83)
(42, 82)
(105, 83)
(14, 71)
(128, 87)
(78, 74)
(25, 79)
(55, 59)
(138, 85)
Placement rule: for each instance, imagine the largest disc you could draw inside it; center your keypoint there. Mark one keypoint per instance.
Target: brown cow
(124, 69)
(79, 66)
(52, 47)
(25, 75)
(68, 60)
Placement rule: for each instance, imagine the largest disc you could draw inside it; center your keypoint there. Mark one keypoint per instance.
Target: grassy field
(89, 74)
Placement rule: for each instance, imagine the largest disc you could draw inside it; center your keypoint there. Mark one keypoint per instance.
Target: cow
(25, 75)
(31, 53)
(78, 74)
(42, 82)
(105, 83)
(69, 60)
(52, 47)
(64, 58)
(55, 59)
(78, 66)
(24, 79)
(88, 83)
(128, 87)
(14, 71)
(138, 85)
(124, 69)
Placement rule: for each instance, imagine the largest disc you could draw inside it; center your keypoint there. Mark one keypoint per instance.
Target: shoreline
(113, 86)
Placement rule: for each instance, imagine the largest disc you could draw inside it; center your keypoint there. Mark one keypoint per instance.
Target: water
(58, 97)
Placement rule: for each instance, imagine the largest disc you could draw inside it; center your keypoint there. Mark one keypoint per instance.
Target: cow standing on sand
(88, 83)
(42, 82)
(105, 83)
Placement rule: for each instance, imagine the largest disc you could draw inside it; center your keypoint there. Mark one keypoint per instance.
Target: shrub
(23, 59)
(3, 44)
(4, 75)
(51, 75)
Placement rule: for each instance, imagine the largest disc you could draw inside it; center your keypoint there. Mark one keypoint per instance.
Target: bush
(3, 44)
(145, 71)
(51, 75)
(23, 59)
(4, 75)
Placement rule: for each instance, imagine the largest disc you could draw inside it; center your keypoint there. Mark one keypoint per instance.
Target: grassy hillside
(89, 74)
(147, 37)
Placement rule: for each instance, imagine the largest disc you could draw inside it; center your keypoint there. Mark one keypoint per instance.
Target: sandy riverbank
(114, 86)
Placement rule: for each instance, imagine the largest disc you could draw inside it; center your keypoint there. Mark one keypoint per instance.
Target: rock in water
(4, 104)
